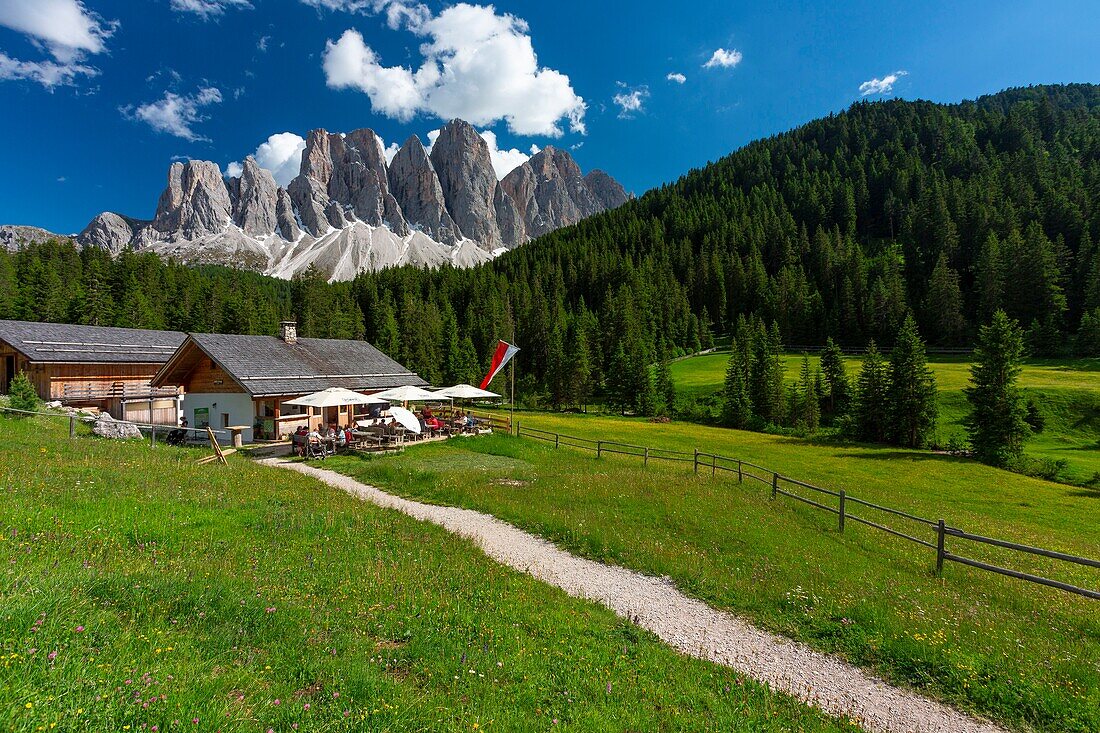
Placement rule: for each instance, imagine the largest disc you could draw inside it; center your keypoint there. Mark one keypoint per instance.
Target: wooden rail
(824, 500)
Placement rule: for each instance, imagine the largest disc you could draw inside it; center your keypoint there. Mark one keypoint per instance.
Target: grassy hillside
(1025, 655)
(1068, 393)
(143, 593)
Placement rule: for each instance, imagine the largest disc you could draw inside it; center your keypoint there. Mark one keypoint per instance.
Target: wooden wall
(208, 377)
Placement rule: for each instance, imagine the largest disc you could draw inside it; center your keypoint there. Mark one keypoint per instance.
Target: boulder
(107, 427)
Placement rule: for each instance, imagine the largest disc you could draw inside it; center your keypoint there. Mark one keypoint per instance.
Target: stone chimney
(289, 331)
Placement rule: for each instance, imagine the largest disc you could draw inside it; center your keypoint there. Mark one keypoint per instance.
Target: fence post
(775, 484)
(557, 440)
(740, 474)
(599, 449)
(517, 428)
(152, 434)
(645, 461)
(713, 464)
(939, 547)
(696, 460)
(841, 515)
(72, 426)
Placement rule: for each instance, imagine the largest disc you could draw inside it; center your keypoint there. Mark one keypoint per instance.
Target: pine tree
(1088, 335)
(22, 395)
(911, 393)
(838, 393)
(580, 368)
(808, 409)
(989, 278)
(663, 384)
(943, 305)
(997, 422)
(736, 404)
(871, 405)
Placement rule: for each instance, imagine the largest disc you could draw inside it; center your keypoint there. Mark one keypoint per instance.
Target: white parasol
(406, 394)
(335, 397)
(406, 419)
(466, 392)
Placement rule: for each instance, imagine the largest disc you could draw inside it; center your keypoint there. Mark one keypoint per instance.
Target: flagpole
(512, 391)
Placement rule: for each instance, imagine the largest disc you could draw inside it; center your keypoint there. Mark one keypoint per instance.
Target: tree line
(846, 227)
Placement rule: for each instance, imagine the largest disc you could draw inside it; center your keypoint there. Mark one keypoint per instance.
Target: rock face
(14, 237)
(461, 160)
(256, 200)
(347, 210)
(107, 231)
(606, 189)
(417, 190)
(196, 201)
(549, 192)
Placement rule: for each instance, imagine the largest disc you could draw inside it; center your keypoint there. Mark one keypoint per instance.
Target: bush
(22, 395)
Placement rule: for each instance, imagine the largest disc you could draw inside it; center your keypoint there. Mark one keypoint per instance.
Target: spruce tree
(580, 367)
(663, 384)
(808, 409)
(871, 406)
(911, 394)
(997, 422)
(838, 393)
(736, 404)
(22, 394)
(944, 304)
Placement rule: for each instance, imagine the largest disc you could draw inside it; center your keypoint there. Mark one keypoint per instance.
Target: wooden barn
(93, 366)
(233, 380)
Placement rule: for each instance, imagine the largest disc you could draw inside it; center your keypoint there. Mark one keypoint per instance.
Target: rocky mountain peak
(461, 160)
(348, 210)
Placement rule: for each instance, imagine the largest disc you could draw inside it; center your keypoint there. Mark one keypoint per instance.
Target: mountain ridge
(350, 211)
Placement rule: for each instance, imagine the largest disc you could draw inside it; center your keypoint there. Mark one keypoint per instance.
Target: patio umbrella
(406, 419)
(406, 394)
(466, 392)
(335, 397)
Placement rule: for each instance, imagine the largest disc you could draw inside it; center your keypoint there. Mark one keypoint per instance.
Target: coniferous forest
(841, 228)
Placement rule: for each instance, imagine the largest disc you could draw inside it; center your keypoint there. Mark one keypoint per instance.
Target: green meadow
(141, 592)
(1022, 654)
(1067, 392)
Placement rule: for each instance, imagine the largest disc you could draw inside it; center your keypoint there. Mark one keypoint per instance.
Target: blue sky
(99, 96)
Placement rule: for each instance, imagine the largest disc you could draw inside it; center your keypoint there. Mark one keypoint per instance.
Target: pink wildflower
(80, 629)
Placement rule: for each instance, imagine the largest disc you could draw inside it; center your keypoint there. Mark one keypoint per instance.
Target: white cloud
(261, 44)
(388, 151)
(61, 179)
(399, 13)
(175, 114)
(233, 170)
(885, 85)
(282, 155)
(630, 101)
(65, 29)
(477, 65)
(207, 9)
(677, 77)
(46, 73)
(723, 59)
(577, 146)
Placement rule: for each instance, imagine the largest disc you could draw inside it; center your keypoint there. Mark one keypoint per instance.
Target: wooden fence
(838, 503)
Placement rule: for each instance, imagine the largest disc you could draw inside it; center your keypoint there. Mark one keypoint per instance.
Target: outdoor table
(237, 432)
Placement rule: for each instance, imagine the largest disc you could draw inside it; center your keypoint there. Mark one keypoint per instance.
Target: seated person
(471, 421)
(341, 438)
(460, 421)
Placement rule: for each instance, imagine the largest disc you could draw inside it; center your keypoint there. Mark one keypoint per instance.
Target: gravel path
(686, 624)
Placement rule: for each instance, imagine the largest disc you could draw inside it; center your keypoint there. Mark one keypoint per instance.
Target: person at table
(341, 438)
(461, 421)
(471, 421)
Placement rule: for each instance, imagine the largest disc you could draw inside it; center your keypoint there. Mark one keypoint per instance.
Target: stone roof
(266, 365)
(64, 342)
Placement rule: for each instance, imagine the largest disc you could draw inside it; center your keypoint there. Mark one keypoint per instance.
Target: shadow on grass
(1086, 493)
(894, 455)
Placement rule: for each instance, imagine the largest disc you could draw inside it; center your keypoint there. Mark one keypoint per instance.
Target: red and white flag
(504, 353)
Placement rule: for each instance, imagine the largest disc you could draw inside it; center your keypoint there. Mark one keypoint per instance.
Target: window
(225, 419)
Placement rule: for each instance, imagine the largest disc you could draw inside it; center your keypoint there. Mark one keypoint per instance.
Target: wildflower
(277, 702)
(52, 656)
(195, 721)
(270, 609)
(335, 695)
(306, 706)
(80, 629)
